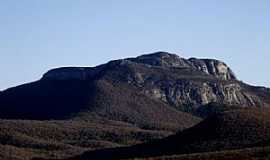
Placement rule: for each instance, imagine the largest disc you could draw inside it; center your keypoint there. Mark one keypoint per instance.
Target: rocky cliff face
(213, 67)
(209, 66)
(183, 83)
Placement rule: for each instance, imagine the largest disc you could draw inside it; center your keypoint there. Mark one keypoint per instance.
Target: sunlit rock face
(209, 66)
(191, 94)
(213, 67)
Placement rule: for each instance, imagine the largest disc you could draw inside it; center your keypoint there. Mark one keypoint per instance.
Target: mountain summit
(159, 59)
(208, 66)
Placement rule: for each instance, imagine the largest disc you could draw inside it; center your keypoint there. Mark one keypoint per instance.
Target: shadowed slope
(229, 130)
(44, 99)
(256, 153)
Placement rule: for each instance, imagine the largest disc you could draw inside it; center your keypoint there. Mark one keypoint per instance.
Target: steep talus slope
(229, 130)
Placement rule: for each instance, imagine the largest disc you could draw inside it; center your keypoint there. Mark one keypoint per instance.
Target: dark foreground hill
(231, 130)
(255, 153)
(120, 103)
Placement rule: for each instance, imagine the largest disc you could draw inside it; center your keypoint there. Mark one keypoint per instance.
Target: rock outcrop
(209, 66)
(213, 67)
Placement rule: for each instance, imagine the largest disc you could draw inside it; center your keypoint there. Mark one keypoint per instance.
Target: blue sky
(37, 35)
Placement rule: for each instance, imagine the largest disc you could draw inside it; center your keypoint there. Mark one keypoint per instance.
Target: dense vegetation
(230, 130)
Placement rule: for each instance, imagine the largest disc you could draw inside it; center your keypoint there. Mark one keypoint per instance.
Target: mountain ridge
(162, 59)
(184, 84)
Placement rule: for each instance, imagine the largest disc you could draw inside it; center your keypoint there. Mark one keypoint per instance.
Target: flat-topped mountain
(163, 78)
(120, 103)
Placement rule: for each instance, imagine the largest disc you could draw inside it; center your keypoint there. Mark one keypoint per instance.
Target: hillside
(229, 130)
(101, 127)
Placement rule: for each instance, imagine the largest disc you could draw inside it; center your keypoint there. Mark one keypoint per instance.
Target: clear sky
(37, 35)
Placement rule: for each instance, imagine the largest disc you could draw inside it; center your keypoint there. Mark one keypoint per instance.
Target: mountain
(121, 103)
(182, 84)
(230, 130)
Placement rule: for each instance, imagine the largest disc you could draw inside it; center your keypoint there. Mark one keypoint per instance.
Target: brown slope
(118, 116)
(64, 138)
(229, 130)
(119, 101)
(67, 99)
